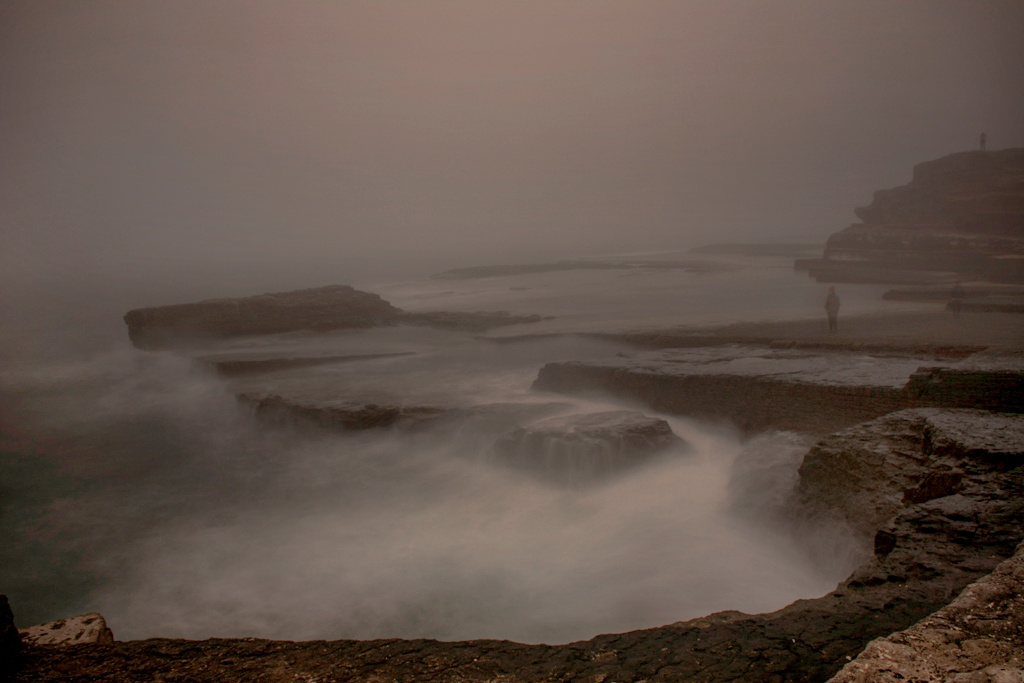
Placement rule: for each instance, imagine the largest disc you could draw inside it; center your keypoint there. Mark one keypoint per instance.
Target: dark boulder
(323, 308)
(10, 642)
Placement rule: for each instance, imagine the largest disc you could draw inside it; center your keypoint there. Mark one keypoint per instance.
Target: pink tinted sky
(200, 137)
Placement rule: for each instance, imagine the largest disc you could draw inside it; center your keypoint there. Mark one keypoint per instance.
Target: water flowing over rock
(337, 415)
(760, 388)
(926, 549)
(584, 447)
(962, 215)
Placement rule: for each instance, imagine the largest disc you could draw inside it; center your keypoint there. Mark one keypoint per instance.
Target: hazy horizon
(307, 143)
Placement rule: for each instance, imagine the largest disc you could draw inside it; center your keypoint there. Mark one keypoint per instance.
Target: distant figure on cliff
(832, 308)
(956, 299)
(982, 140)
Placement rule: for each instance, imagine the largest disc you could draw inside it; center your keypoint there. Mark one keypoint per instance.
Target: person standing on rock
(982, 140)
(832, 308)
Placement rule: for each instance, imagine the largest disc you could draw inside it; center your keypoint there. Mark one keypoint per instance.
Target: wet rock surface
(918, 557)
(337, 415)
(761, 388)
(588, 446)
(977, 638)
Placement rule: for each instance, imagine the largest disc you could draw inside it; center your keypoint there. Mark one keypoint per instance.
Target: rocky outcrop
(764, 388)
(80, 630)
(323, 308)
(578, 448)
(950, 515)
(10, 641)
(977, 638)
(306, 310)
(962, 214)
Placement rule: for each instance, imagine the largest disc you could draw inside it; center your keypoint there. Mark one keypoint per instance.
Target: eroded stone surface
(962, 213)
(977, 638)
(761, 388)
(85, 628)
(587, 446)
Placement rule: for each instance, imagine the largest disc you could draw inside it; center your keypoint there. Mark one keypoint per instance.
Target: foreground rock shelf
(938, 504)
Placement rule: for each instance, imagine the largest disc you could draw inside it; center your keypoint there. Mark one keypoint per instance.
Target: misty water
(135, 485)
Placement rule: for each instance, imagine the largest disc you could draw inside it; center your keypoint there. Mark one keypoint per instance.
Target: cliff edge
(961, 215)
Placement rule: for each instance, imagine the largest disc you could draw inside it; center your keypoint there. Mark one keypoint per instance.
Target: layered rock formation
(962, 215)
(760, 388)
(323, 308)
(314, 310)
(949, 515)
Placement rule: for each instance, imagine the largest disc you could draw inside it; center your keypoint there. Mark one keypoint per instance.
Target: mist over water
(144, 491)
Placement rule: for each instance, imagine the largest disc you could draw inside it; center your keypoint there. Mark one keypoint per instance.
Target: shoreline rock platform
(950, 513)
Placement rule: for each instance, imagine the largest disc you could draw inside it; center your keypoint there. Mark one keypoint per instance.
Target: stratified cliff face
(963, 214)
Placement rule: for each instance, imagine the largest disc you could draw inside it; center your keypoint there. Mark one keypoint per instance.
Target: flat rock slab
(760, 388)
(85, 628)
(322, 308)
(587, 446)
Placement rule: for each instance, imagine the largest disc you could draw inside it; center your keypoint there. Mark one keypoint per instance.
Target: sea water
(134, 484)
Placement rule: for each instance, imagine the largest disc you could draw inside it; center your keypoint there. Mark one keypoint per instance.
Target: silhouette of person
(982, 140)
(832, 308)
(956, 301)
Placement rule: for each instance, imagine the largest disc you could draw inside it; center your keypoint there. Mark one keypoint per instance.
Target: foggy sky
(202, 139)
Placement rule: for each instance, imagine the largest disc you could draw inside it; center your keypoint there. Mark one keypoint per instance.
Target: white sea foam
(196, 521)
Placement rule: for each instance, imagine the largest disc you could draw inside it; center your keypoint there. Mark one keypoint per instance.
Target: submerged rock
(323, 308)
(580, 447)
